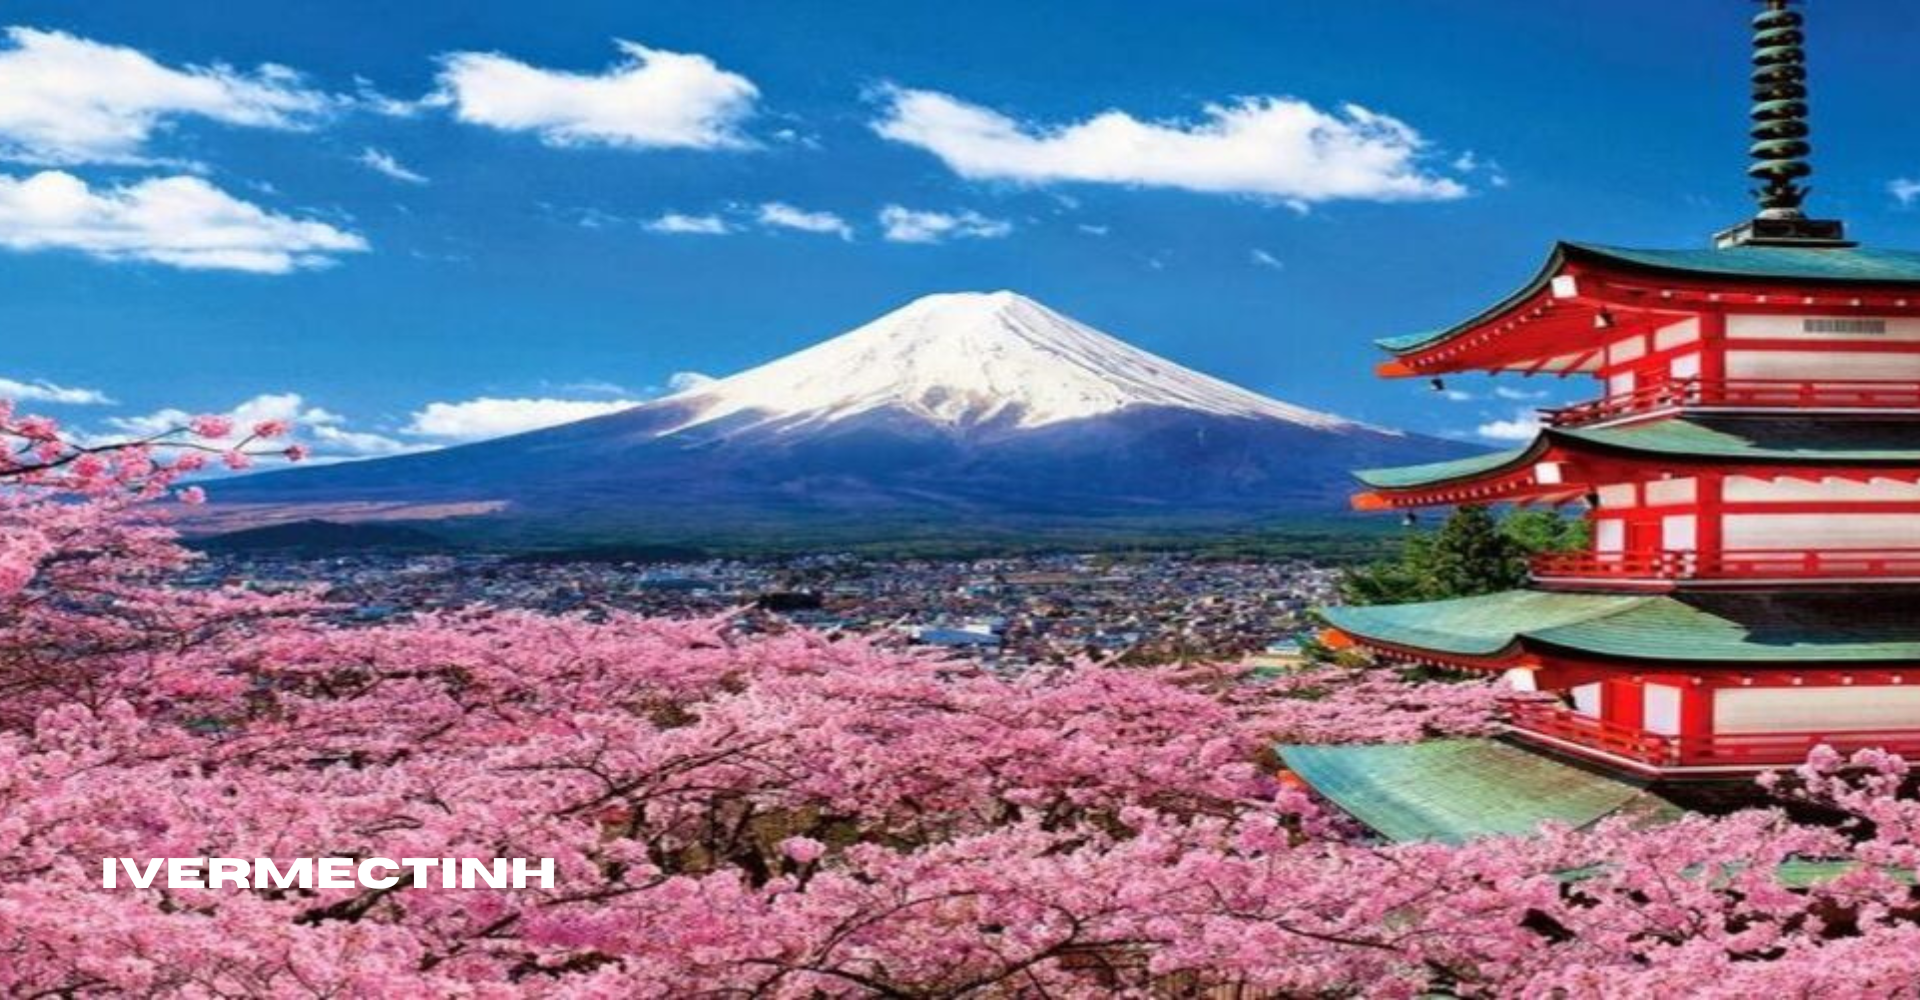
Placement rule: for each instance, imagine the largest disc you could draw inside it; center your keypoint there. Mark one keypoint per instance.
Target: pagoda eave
(1848, 634)
(1561, 465)
(1548, 327)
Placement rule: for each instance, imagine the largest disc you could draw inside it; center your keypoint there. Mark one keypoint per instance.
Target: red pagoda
(1750, 470)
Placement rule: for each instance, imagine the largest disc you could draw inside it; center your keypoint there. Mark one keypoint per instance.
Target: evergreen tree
(1537, 531)
(1472, 553)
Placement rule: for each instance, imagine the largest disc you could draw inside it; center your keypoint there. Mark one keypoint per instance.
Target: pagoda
(1750, 469)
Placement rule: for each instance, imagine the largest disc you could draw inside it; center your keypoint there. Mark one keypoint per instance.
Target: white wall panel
(1820, 531)
(1586, 700)
(1619, 495)
(1795, 328)
(1609, 535)
(1662, 709)
(1680, 533)
(1816, 366)
(1662, 492)
(1815, 709)
(1627, 349)
(1684, 332)
(1749, 489)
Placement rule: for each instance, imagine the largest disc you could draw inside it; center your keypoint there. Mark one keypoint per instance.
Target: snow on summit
(963, 359)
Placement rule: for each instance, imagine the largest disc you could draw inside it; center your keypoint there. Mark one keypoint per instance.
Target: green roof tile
(1774, 439)
(1407, 476)
(1407, 341)
(1721, 627)
(1853, 265)
(1476, 626)
(1457, 790)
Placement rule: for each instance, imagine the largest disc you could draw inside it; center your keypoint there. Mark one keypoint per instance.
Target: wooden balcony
(1664, 569)
(1738, 394)
(1651, 752)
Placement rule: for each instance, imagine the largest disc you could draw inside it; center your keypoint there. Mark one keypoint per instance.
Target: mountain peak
(953, 413)
(953, 311)
(994, 301)
(965, 359)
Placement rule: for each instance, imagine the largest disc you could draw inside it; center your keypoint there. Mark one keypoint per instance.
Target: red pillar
(1623, 703)
(1713, 354)
(1696, 718)
(1708, 530)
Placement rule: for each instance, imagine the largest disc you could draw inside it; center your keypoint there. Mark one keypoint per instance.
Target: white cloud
(1524, 425)
(651, 99)
(1905, 190)
(325, 432)
(488, 417)
(598, 387)
(698, 225)
(688, 381)
(906, 225)
(382, 162)
(331, 441)
(1457, 396)
(785, 216)
(43, 391)
(367, 96)
(1261, 258)
(67, 100)
(1274, 147)
(1093, 230)
(183, 222)
(1518, 395)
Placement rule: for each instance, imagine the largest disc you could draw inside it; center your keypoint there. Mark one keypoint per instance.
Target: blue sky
(396, 220)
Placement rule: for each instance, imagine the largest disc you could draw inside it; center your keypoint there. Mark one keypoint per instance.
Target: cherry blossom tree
(794, 815)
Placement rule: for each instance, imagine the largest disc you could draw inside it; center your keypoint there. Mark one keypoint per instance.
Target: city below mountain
(956, 417)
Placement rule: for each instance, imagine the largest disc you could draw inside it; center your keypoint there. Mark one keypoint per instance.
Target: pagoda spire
(1779, 110)
(1780, 131)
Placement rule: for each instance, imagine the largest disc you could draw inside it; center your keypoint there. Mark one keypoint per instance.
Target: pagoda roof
(1842, 265)
(1406, 477)
(1838, 267)
(1452, 791)
(1772, 439)
(1699, 628)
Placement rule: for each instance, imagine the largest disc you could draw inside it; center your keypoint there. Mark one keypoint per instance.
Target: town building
(1751, 472)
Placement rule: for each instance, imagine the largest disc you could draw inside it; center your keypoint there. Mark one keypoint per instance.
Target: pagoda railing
(1739, 393)
(1730, 750)
(1731, 564)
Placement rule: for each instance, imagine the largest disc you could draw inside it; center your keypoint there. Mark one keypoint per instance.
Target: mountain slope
(955, 413)
(968, 359)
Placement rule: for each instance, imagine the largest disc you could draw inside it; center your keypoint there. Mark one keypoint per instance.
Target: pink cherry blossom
(211, 425)
(804, 850)
(39, 429)
(1083, 831)
(271, 428)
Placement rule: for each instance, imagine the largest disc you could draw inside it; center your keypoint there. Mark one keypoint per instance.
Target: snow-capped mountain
(972, 359)
(957, 415)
